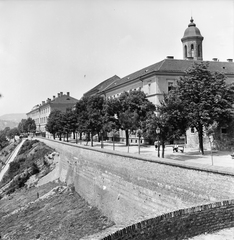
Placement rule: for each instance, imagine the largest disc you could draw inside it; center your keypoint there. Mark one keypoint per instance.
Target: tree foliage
(90, 115)
(206, 98)
(129, 111)
(27, 125)
(55, 123)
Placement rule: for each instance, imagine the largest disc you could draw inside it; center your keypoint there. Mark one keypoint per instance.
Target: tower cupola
(192, 42)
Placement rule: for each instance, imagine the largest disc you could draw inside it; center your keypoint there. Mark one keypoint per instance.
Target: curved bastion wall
(130, 188)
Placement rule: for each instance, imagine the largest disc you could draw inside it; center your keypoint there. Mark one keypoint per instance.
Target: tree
(27, 125)
(206, 98)
(90, 115)
(22, 126)
(170, 119)
(129, 111)
(30, 125)
(55, 123)
(69, 122)
(13, 132)
(3, 140)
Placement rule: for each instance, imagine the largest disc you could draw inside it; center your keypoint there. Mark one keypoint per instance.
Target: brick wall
(181, 224)
(130, 188)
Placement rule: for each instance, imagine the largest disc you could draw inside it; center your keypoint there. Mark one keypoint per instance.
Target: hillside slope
(51, 211)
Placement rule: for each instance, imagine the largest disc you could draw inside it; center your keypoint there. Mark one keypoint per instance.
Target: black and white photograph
(116, 119)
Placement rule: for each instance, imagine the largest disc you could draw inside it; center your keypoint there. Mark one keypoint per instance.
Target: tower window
(192, 50)
(199, 50)
(185, 51)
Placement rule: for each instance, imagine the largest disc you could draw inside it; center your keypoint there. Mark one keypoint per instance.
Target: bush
(13, 168)
(35, 168)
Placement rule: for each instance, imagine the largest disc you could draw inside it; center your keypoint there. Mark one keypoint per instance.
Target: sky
(52, 46)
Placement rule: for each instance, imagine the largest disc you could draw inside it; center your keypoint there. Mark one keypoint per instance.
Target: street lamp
(101, 131)
(211, 138)
(158, 132)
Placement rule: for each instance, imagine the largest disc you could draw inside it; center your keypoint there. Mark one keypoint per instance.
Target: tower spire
(192, 42)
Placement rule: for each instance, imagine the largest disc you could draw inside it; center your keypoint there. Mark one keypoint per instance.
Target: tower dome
(192, 42)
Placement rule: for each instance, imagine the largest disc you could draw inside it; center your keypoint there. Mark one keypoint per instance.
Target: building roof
(60, 100)
(102, 86)
(192, 31)
(172, 66)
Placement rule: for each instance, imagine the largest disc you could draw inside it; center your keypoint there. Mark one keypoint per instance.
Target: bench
(178, 148)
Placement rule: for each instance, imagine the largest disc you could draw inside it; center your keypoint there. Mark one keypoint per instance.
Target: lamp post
(211, 138)
(158, 132)
(113, 135)
(101, 131)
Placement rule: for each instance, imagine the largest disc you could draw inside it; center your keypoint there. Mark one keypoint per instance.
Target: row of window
(46, 110)
(170, 86)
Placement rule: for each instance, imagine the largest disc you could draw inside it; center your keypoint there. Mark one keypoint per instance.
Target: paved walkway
(11, 158)
(218, 158)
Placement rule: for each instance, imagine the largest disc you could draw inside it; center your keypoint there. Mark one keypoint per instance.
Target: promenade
(217, 158)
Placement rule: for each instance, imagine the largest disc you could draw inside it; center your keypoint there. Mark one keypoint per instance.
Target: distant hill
(11, 120)
(13, 117)
(5, 123)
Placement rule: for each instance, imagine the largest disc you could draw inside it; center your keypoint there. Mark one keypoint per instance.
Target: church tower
(192, 42)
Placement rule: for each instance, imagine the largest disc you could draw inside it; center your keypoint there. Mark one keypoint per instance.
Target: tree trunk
(163, 149)
(67, 137)
(200, 137)
(80, 135)
(91, 139)
(127, 137)
(54, 136)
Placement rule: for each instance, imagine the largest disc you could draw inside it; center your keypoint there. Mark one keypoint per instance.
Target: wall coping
(165, 161)
(166, 216)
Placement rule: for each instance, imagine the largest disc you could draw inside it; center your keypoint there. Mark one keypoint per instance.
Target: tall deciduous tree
(206, 98)
(90, 115)
(70, 122)
(130, 111)
(55, 123)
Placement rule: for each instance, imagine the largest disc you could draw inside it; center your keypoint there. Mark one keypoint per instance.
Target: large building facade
(159, 78)
(41, 112)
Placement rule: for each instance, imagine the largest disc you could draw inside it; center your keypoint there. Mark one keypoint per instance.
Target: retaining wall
(182, 224)
(129, 188)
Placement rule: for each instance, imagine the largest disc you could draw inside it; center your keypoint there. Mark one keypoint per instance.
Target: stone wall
(182, 224)
(130, 188)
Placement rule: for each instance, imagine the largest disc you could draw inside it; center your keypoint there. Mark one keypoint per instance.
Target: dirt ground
(51, 211)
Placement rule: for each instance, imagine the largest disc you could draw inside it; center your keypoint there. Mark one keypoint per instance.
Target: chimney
(53, 97)
(68, 93)
(61, 94)
(170, 57)
(58, 94)
(43, 102)
(48, 100)
(215, 59)
(229, 59)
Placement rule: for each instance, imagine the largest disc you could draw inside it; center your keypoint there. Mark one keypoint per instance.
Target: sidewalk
(220, 158)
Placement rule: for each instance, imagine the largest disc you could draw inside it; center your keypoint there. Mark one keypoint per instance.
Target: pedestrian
(156, 145)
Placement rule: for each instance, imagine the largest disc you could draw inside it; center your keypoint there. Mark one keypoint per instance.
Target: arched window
(192, 50)
(185, 51)
(199, 50)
